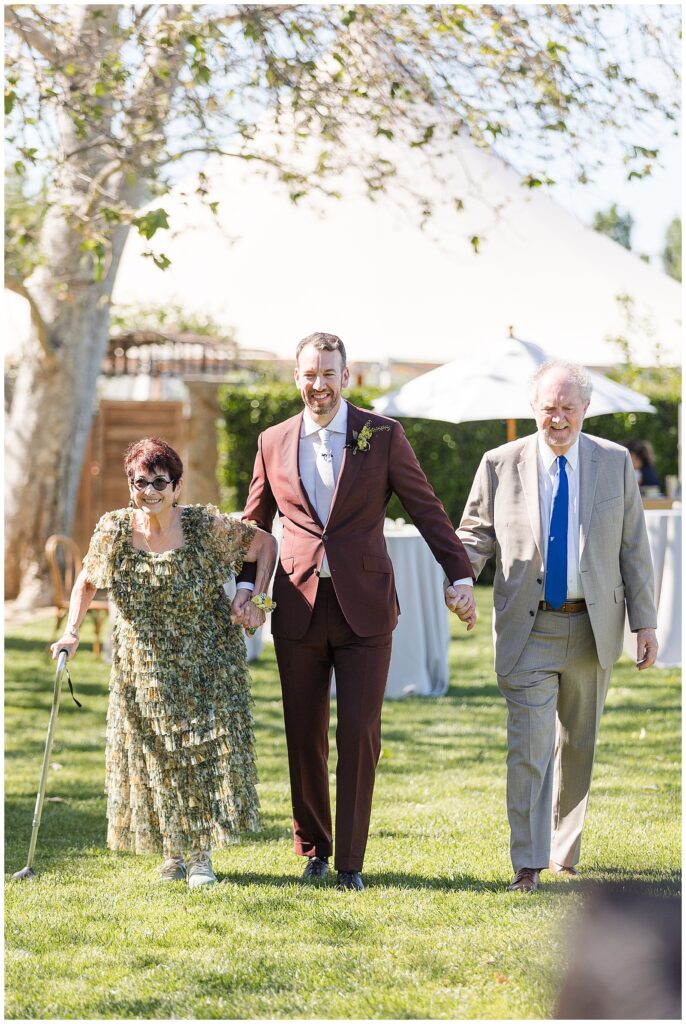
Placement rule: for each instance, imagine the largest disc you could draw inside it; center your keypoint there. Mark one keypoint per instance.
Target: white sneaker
(200, 870)
(173, 870)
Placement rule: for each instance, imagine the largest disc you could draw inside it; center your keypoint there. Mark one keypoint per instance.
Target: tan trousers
(555, 696)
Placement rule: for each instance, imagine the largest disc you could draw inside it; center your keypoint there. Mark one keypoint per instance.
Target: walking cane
(28, 871)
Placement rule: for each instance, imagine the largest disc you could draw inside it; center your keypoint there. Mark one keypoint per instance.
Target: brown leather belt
(571, 607)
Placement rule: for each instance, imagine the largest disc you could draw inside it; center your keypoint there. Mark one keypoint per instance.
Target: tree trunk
(52, 409)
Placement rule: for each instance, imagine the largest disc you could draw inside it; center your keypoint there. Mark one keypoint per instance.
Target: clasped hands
(460, 600)
(244, 613)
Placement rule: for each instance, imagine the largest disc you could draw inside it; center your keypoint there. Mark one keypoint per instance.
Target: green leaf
(202, 74)
(385, 132)
(70, 70)
(151, 222)
(100, 89)
(475, 242)
(160, 260)
(349, 17)
(10, 97)
(426, 137)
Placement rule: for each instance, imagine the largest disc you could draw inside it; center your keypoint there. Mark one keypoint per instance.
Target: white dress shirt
(309, 449)
(547, 471)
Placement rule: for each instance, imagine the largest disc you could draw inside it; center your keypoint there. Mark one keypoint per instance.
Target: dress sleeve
(99, 561)
(230, 540)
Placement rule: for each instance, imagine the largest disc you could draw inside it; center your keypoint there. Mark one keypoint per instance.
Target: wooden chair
(65, 564)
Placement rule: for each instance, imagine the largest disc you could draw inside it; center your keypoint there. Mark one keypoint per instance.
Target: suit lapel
(588, 479)
(350, 466)
(290, 452)
(528, 475)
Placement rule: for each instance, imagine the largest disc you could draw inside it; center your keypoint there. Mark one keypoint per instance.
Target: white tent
(365, 271)
(493, 385)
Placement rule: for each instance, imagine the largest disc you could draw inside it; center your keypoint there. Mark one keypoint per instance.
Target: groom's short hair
(328, 342)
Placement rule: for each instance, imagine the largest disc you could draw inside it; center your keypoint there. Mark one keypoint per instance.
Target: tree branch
(33, 35)
(13, 284)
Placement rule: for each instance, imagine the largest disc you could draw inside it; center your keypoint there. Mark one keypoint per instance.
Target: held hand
(461, 601)
(68, 642)
(646, 648)
(239, 605)
(244, 613)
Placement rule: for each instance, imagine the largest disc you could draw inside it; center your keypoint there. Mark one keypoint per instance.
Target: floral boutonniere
(362, 439)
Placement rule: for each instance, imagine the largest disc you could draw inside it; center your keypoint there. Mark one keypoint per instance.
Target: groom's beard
(323, 403)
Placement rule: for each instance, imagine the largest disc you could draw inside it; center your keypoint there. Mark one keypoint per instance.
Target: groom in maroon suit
(329, 472)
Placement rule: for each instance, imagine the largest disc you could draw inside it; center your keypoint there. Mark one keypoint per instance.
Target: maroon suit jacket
(361, 570)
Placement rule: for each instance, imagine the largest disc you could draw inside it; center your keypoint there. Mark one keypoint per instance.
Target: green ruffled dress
(180, 759)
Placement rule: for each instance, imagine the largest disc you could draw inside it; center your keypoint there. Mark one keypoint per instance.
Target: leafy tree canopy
(110, 103)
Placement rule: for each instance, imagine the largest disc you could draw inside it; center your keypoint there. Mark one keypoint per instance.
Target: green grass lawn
(434, 935)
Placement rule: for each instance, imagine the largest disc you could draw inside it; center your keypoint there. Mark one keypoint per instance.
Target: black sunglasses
(159, 483)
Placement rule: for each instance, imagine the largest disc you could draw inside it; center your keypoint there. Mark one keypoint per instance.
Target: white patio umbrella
(492, 384)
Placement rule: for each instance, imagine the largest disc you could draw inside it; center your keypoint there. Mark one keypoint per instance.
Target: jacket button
(325, 536)
(532, 613)
(539, 581)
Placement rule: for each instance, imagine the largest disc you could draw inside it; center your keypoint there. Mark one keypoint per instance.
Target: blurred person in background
(643, 461)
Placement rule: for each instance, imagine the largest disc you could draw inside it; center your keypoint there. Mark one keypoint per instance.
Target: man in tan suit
(562, 514)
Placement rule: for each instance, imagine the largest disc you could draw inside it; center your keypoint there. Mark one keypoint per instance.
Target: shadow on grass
(62, 825)
(387, 879)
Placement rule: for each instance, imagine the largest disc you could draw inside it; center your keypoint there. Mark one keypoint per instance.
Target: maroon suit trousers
(361, 666)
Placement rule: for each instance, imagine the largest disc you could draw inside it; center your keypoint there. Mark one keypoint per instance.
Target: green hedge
(247, 411)
(449, 452)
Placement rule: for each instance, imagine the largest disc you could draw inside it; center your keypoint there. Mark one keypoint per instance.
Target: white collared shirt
(547, 471)
(310, 444)
(308, 451)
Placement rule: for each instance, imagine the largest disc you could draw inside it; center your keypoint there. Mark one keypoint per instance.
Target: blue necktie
(556, 568)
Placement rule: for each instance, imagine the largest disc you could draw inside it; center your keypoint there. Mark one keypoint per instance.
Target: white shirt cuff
(467, 582)
(245, 586)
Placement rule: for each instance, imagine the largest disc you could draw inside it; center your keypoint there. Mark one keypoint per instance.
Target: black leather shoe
(316, 867)
(350, 880)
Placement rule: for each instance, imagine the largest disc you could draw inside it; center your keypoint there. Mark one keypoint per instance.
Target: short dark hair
(326, 342)
(151, 453)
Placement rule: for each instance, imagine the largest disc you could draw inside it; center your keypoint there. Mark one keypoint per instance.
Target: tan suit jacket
(502, 518)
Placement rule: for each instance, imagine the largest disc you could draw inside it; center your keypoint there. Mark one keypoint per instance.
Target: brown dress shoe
(567, 871)
(526, 880)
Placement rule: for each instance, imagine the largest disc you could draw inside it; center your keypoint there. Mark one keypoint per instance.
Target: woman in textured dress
(180, 763)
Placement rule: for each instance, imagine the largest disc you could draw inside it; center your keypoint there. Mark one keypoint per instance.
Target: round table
(664, 536)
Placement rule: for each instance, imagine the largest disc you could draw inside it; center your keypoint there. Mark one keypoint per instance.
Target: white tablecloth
(664, 535)
(419, 661)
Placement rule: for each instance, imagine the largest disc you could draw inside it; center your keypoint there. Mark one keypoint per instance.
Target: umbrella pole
(511, 430)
